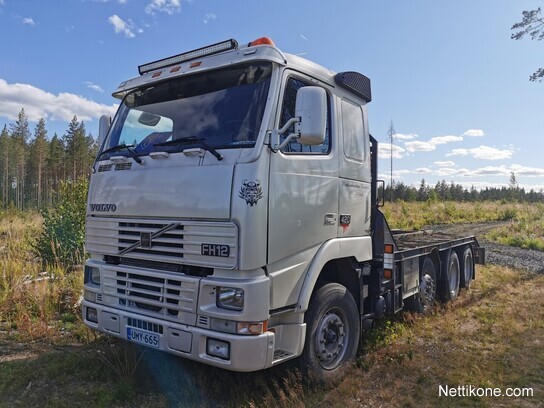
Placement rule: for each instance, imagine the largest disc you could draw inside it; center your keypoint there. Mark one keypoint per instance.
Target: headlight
(230, 298)
(92, 275)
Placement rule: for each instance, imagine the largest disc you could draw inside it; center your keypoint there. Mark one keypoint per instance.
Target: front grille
(104, 167)
(123, 166)
(142, 324)
(163, 244)
(153, 294)
(161, 266)
(168, 243)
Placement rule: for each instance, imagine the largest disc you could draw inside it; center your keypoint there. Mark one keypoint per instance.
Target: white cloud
(209, 17)
(122, 27)
(38, 103)
(445, 139)
(384, 151)
(418, 146)
(450, 171)
(483, 152)
(163, 6)
(430, 145)
(474, 133)
(492, 171)
(444, 163)
(93, 86)
(397, 174)
(29, 21)
(527, 171)
(400, 136)
(423, 170)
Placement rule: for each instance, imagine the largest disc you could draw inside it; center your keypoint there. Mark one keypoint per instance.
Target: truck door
(303, 185)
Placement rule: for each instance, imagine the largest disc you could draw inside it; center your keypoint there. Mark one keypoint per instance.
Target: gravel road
(526, 259)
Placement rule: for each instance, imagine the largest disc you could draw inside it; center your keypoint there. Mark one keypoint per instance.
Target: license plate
(142, 337)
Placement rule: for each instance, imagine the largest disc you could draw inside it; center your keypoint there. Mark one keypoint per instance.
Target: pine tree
(56, 170)
(79, 149)
(19, 135)
(5, 182)
(38, 158)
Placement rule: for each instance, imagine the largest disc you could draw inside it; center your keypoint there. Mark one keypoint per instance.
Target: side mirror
(311, 108)
(103, 128)
(310, 119)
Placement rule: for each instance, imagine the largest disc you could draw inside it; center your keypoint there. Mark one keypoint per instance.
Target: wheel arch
(332, 264)
(434, 255)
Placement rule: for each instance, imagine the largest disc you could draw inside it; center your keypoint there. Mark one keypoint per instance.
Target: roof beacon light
(262, 41)
(187, 56)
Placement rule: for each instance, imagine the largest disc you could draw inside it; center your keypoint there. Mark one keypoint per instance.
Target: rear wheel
(332, 333)
(453, 277)
(423, 301)
(467, 267)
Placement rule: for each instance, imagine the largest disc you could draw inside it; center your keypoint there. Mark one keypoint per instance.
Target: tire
(453, 277)
(467, 267)
(423, 301)
(332, 334)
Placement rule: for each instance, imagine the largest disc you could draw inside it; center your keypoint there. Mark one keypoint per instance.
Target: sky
(446, 74)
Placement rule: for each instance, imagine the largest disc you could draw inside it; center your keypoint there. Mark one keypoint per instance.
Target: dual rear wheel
(458, 272)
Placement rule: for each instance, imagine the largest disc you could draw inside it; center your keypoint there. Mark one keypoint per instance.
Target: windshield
(222, 108)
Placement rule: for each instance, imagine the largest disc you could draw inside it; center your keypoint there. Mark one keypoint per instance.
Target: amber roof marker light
(262, 41)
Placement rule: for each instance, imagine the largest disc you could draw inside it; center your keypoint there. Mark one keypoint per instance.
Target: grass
(525, 228)
(416, 215)
(524, 232)
(35, 302)
(490, 337)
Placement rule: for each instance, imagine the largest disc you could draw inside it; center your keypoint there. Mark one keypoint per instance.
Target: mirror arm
(275, 145)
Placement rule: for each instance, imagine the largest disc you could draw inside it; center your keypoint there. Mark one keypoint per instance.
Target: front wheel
(332, 333)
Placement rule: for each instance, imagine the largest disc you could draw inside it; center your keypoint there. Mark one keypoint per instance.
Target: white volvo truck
(233, 215)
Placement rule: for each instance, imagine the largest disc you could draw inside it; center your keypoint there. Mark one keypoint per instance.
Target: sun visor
(356, 83)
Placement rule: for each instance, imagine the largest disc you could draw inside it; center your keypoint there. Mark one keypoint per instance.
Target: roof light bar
(187, 56)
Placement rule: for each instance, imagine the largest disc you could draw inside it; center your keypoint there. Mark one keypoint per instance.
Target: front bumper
(247, 353)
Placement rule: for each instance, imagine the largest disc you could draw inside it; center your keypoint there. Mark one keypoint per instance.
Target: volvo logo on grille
(103, 207)
(145, 240)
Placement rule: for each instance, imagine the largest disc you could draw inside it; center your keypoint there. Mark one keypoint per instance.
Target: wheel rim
(427, 290)
(454, 278)
(331, 338)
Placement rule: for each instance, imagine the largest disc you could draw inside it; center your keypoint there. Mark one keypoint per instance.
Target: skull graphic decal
(251, 191)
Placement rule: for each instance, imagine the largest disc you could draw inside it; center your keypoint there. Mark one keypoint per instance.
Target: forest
(34, 164)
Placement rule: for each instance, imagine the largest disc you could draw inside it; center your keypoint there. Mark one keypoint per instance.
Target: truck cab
(231, 210)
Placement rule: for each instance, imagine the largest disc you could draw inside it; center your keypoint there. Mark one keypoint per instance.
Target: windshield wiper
(123, 146)
(192, 139)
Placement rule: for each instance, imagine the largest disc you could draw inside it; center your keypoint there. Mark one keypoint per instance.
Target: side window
(355, 145)
(288, 112)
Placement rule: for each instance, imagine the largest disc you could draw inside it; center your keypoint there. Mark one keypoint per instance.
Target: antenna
(391, 133)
